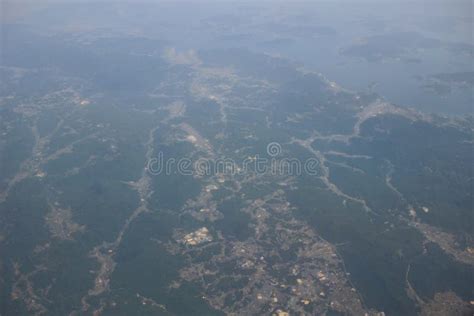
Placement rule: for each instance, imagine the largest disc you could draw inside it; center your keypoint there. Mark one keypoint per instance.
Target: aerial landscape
(236, 158)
